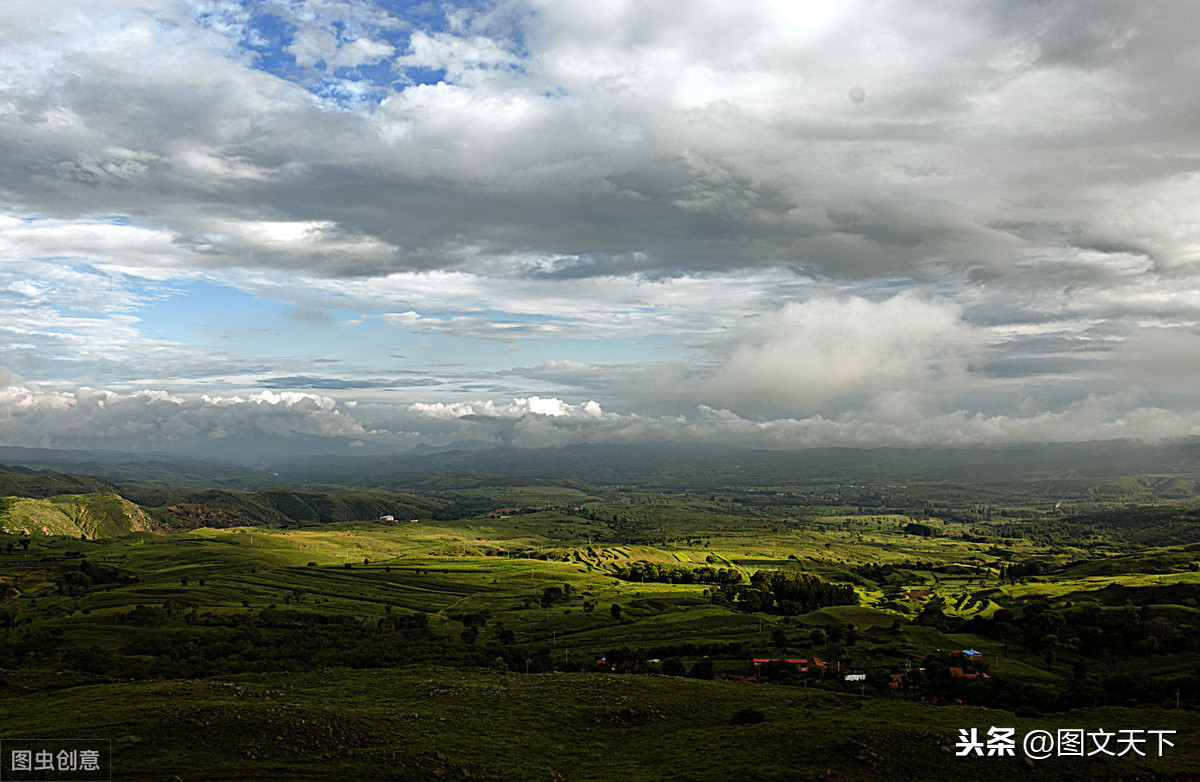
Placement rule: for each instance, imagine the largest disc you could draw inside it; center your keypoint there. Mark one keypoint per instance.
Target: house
(856, 677)
(387, 518)
(803, 663)
(902, 681)
(969, 654)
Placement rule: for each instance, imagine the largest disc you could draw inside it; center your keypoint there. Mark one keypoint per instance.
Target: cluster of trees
(76, 582)
(1057, 532)
(23, 542)
(657, 572)
(268, 640)
(785, 592)
(1024, 570)
(1097, 632)
(1090, 630)
(552, 595)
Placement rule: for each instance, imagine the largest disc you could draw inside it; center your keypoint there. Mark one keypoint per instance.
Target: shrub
(747, 716)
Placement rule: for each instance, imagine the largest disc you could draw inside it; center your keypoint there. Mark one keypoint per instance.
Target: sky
(270, 228)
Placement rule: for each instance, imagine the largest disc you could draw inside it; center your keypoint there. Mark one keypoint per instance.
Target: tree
(615, 611)
(1007, 632)
(672, 666)
(1049, 644)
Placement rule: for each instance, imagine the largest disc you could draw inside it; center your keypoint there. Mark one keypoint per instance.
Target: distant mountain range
(643, 465)
(86, 493)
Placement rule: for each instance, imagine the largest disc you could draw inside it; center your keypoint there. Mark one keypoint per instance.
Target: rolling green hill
(279, 507)
(306, 507)
(88, 515)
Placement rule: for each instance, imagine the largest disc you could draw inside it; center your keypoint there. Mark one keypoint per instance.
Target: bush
(747, 717)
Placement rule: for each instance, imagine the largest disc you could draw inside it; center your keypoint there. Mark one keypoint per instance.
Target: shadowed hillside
(26, 482)
(279, 507)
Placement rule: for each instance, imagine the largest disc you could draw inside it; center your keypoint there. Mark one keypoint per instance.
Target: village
(961, 664)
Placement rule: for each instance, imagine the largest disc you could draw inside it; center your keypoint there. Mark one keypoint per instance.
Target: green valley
(506, 627)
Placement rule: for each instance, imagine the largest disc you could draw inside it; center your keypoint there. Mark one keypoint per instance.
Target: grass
(450, 723)
(425, 723)
(415, 722)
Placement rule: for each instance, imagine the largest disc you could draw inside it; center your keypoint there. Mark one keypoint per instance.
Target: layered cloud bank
(258, 427)
(790, 222)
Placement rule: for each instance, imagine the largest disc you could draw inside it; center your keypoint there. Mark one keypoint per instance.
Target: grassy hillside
(433, 722)
(24, 482)
(74, 515)
(307, 507)
(279, 507)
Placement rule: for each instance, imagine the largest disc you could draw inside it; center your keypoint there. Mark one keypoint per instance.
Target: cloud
(113, 166)
(705, 140)
(155, 419)
(1163, 356)
(460, 58)
(809, 353)
(844, 215)
(8, 378)
(331, 383)
(268, 424)
(548, 423)
(313, 45)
